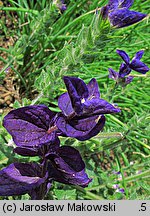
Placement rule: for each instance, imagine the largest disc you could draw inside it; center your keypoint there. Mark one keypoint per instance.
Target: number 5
(143, 207)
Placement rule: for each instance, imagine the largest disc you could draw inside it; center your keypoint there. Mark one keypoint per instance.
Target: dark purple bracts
(119, 15)
(82, 109)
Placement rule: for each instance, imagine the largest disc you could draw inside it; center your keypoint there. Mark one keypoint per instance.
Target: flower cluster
(119, 15)
(36, 129)
(127, 66)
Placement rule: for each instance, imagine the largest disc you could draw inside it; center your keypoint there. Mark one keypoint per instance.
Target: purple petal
(113, 4)
(77, 91)
(20, 178)
(63, 7)
(40, 192)
(124, 70)
(26, 151)
(82, 129)
(104, 12)
(93, 89)
(40, 150)
(121, 190)
(124, 56)
(65, 105)
(66, 166)
(29, 125)
(139, 66)
(72, 157)
(128, 80)
(124, 17)
(138, 55)
(113, 74)
(98, 106)
(125, 3)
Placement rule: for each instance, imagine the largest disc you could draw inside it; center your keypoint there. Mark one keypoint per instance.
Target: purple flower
(83, 100)
(82, 109)
(115, 186)
(120, 190)
(122, 77)
(119, 14)
(135, 63)
(64, 165)
(123, 81)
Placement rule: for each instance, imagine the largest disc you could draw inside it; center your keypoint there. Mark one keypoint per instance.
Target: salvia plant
(36, 130)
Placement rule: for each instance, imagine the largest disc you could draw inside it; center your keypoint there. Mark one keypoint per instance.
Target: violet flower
(119, 15)
(82, 108)
(120, 190)
(117, 76)
(135, 64)
(64, 165)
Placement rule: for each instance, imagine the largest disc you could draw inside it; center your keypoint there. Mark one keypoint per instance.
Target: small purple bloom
(115, 186)
(122, 77)
(116, 172)
(119, 15)
(135, 63)
(120, 190)
(61, 5)
(113, 74)
(119, 78)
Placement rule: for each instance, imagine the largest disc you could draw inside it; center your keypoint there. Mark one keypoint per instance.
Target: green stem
(118, 121)
(88, 194)
(110, 135)
(141, 135)
(35, 12)
(140, 142)
(134, 177)
(7, 65)
(21, 78)
(4, 49)
(113, 145)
